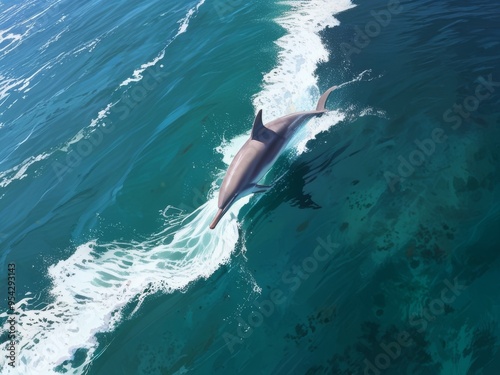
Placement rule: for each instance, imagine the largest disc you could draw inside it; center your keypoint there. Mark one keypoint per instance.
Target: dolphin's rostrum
(259, 153)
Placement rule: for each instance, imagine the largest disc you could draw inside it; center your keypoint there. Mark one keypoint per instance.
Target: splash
(184, 23)
(94, 285)
(91, 288)
(292, 85)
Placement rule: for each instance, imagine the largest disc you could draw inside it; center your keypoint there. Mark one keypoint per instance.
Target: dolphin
(259, 153)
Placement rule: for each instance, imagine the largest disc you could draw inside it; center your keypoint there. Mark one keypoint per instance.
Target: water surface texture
(376, 250)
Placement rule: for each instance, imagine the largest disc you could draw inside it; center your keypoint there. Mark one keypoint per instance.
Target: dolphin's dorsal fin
(258, 127)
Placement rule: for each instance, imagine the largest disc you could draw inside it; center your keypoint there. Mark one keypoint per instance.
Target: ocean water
(375, 252)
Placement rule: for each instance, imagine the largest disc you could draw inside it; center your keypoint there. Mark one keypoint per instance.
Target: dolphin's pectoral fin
(255, 188)
(260, 188)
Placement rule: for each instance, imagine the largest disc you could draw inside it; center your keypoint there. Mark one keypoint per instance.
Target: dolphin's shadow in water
(291, 185)
(259, 153)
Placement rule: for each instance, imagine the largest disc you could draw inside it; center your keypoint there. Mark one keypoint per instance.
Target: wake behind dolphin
(259, 153)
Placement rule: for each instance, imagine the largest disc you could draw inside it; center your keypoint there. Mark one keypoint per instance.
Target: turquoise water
(375, 252)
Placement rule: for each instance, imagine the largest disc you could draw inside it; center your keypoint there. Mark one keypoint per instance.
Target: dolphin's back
(258, 154)
(287, 125)
(241, 171)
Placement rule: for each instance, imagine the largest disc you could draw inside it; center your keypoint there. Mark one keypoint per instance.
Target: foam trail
(318, 125)
(292, 85)
(92, 287)
(13, 174)
(184, 23)
(19, 171)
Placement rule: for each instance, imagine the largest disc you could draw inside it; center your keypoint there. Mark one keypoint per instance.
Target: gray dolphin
(258, 154)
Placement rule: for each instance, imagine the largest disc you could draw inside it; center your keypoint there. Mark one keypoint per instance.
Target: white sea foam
(292, 85)
(137, 74)
(184, 23)
(27, 24)
(12, 38)
(103, 113)
(90, 45)
(53, 39)
(8, 84)
(19, 171)
(91, 288)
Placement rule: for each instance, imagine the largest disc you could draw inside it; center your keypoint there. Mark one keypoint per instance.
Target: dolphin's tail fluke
(323, 99)
(217, 217)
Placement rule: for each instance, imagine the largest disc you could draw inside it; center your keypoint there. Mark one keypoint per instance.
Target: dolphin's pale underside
(259, 153)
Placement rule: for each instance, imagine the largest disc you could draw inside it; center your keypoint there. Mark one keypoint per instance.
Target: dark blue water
(375, 252)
